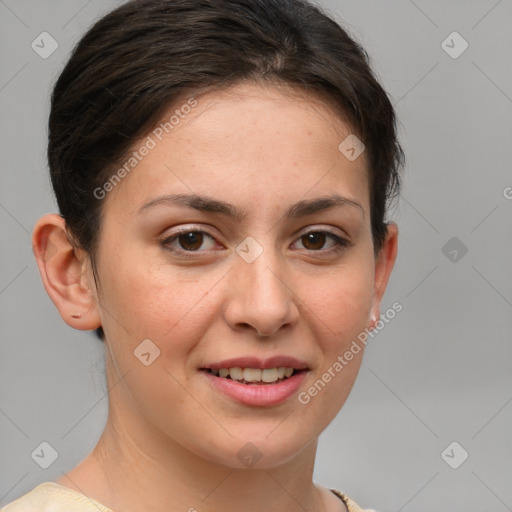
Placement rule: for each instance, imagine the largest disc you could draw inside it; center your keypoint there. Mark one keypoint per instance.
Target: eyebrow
(208, 204)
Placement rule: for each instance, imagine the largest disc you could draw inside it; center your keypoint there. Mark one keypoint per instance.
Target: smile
(254, 375)
(251, 381)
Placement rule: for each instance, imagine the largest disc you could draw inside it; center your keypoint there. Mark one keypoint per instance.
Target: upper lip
(254, 362)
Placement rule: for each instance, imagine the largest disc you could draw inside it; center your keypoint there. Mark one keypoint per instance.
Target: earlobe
(66, 278)
(384, 264)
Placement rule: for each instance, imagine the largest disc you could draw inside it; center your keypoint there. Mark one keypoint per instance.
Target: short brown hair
(132, 64)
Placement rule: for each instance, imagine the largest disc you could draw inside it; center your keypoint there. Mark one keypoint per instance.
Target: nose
(260, 298)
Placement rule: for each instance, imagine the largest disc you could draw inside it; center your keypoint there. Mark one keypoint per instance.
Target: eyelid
(167, 240)
(341, 241)
(324, 229)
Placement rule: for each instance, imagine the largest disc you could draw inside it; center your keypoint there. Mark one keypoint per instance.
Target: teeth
(254, 374)
(236, 373)
(269, 375)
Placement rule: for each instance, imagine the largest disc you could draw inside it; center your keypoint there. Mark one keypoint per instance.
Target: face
(260, 275)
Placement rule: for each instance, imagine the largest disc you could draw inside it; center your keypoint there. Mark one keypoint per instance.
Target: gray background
(439, 372)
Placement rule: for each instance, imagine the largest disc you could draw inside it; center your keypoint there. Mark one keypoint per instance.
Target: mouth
(253, 382)
(255, 376)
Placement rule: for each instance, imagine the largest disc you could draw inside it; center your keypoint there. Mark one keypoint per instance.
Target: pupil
(193, 238)
(314, 236)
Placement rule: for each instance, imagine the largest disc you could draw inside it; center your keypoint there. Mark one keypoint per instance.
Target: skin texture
(171, 439)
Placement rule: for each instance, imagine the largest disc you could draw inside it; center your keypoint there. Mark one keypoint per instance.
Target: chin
(258, 452)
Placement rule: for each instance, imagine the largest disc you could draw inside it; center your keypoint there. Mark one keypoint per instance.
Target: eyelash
(341, 243)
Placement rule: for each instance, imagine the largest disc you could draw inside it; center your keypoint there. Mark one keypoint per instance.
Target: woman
(223, 170)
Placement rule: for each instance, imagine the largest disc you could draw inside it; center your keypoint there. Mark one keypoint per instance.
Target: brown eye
(315, 241)
(186, 242)
(191, 241)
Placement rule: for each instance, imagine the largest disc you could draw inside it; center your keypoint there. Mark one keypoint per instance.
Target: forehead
(248, 140)
(267, 112)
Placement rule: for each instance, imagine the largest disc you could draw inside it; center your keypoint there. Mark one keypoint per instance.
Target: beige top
(52, 497)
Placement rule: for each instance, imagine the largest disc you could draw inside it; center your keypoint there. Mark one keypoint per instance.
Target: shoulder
(352, 506)
(52, 497)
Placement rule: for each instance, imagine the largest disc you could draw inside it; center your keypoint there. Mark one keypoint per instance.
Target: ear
(66, 273)
(384, 263)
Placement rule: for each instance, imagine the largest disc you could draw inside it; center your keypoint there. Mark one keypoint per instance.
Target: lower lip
(258, 394)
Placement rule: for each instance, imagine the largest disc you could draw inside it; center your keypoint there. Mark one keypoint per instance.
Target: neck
(131, 466)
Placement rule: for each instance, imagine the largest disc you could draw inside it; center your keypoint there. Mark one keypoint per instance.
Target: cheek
(342, 301)
(340, 307)
(161, 303)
